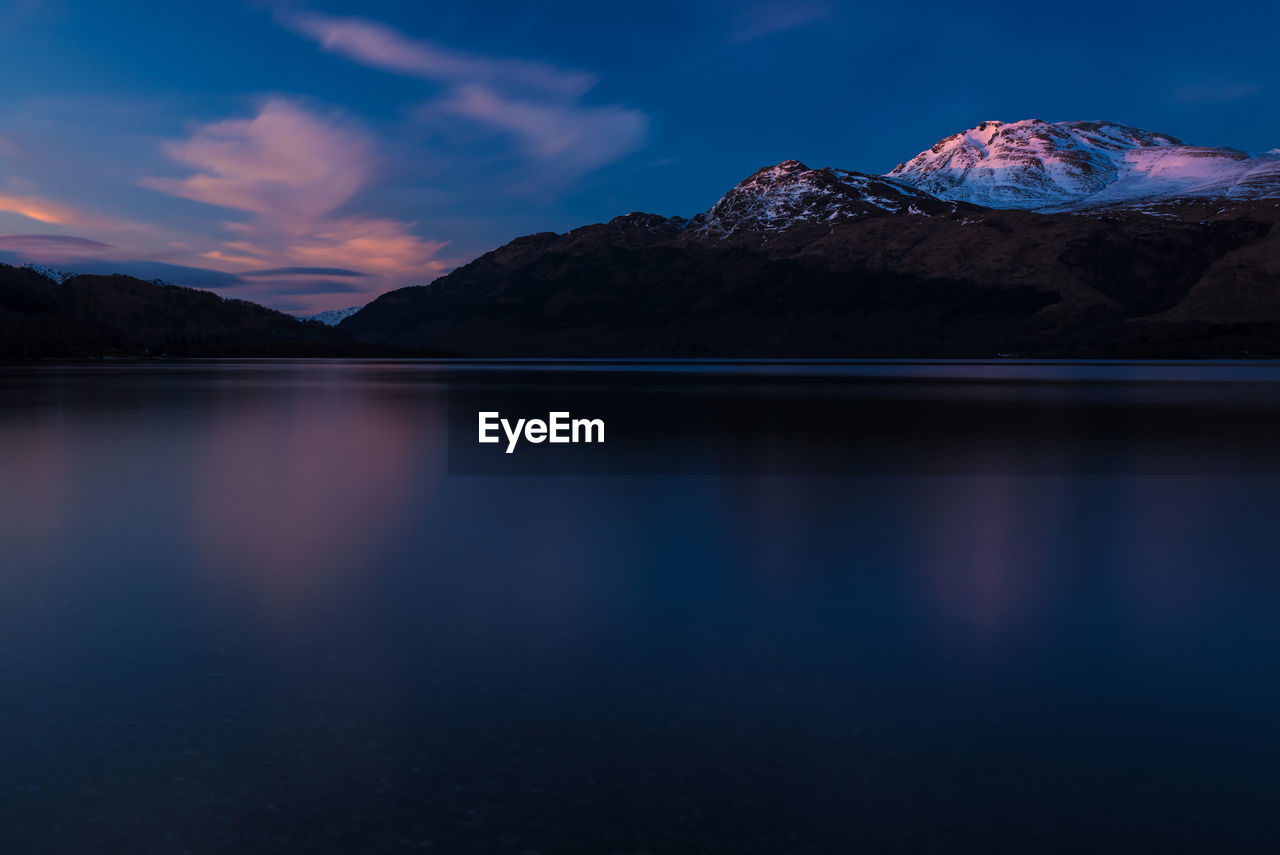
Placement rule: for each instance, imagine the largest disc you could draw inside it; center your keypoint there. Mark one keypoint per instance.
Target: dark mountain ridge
(799, 262)
(1070, 239)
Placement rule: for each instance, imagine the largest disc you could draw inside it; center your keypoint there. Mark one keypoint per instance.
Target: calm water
(256, 608)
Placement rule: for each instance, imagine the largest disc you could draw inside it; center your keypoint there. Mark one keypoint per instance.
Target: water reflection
(291, 500)
(245, 607)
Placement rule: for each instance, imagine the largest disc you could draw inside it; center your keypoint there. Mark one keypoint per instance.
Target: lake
(785, 608)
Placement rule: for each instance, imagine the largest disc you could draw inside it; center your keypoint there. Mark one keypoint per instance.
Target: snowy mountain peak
(1062, 165)
(778, 197)
(985, 132)
(333, 317)
(58, 276)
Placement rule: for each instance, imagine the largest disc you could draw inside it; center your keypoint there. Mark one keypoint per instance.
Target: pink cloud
(370, 245)
(50, 213)
(292, 170)
(379, 46)
(284, 163)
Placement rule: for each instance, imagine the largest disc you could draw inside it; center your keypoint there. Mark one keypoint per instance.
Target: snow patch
(1071, 165)
(778, 197)
(333, 317)
(58, 276)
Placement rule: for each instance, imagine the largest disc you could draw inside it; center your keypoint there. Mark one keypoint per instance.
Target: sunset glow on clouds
(290, 169)
(311, 154)
(37, 209)
(286, 183)
(284, 163)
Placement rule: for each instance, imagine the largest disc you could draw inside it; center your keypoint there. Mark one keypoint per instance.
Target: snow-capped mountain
(1031, 164)
(779, 197)
(1071, 165)
(333, 317)
(58, 276)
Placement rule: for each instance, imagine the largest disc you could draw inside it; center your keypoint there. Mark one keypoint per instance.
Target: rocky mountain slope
(1081, 249)
(780, 198)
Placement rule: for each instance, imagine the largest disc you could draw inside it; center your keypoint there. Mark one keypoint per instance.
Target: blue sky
(311, 155)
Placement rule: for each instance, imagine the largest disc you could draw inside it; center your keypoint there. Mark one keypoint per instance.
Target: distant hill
(84, 316)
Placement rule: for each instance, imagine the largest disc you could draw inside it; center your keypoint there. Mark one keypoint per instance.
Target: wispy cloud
(540, 106)
(70, 257)
(303, 271)
(52, 213)
(291, 196)
(569, 140)
(1217, 92)
(379, 46)
(45, 244)
(292, 169)
(757, 20)
(286, 164)
(315, 287)
(40, 210)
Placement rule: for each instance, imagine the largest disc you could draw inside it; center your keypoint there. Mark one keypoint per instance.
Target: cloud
(379, 46)
(57, 214)
(1216, 92)
(303, 271)
(40, 210)
(313, 287)
(285, 163)
(293, 170)
(43, 243)
(560, 136)
(580, 139)
(379, 246)
(178, 274)
(763, 19)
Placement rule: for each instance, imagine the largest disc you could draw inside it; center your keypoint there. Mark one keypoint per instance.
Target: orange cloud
(374, 246)
(58, 214)
(39, 210)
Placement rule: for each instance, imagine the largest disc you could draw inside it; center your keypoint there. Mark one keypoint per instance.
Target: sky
(312, 155)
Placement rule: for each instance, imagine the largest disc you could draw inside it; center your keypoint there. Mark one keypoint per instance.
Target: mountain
(333, 317)
(1068, 239)
(1075, 239)
(50, 273)
(1078, 165)
(780, 198)
(83, 316)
